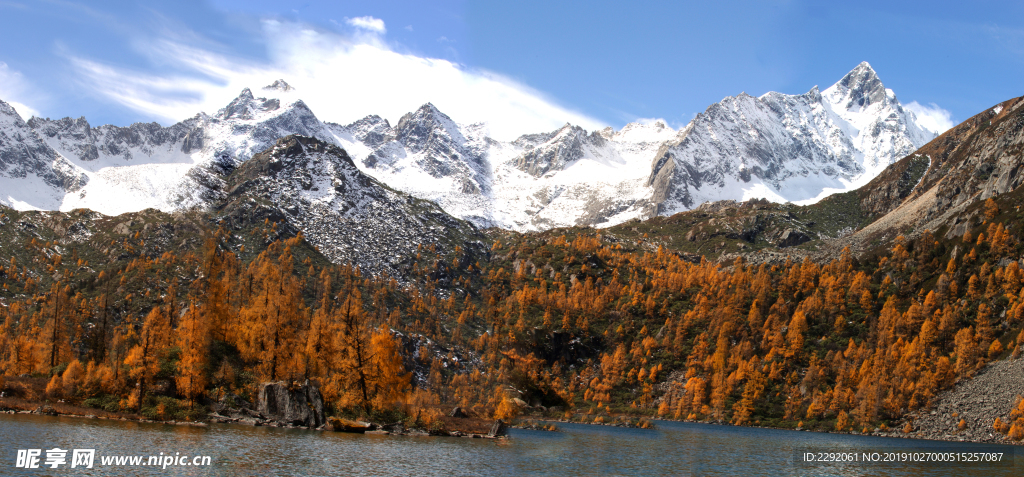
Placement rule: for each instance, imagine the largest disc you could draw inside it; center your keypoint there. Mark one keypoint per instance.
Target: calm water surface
(672, 449)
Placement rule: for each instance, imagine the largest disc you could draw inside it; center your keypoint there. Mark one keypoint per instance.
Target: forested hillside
(166, 314)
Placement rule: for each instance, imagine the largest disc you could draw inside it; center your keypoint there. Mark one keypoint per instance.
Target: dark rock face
(428, 129)
(303, 406)
(498, 429)
(373, 130)
(792, 238)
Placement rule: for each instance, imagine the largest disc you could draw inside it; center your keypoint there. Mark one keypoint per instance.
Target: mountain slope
(976, 160)
(315, 188)
(941, 187)
(32, 175)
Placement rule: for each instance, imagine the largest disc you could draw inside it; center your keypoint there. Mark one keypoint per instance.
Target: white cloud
(367, 23)
(931, 116)
(341, 78)
(15, 92)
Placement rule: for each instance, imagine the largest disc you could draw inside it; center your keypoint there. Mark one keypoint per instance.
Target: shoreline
(47, 409)
(425, 433)
(529, 423)
(890, 434)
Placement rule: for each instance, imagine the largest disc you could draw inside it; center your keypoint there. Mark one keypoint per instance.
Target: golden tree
(193, 339)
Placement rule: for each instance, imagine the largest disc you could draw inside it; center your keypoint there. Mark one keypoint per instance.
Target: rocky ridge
(941, 186)
(350, 217)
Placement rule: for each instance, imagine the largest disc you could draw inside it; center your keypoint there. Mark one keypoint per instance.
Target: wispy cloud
(931, 116)
(368, 23)
(166, 98)
(16, 92)
(342, 78)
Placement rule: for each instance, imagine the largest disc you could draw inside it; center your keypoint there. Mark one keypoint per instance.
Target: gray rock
(992, 392)
(301, 406)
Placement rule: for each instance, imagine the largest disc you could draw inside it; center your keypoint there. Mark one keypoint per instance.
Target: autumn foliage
(573, 321)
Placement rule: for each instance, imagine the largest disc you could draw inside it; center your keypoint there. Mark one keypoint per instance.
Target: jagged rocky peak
(814, 94)
(247, 107)
(426, 113)
(557, 150)
(860, 88)
(530, 141)
(373, 130)
(279, 85)
(567, 131)
(429, 130)
(77, 128)
(370, 122)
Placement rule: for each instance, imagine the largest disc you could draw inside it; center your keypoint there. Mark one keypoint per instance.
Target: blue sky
(524, 66)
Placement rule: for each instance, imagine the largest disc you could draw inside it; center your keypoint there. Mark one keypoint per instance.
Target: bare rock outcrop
(289, 405)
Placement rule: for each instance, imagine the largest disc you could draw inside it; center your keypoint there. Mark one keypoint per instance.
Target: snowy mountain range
(780, 147)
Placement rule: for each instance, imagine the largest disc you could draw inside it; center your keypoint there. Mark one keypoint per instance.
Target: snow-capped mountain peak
(859, 89)
(426, 126)
(776, 146)
(654, 131)
(247, 107)
(279, 85)
(783, 147)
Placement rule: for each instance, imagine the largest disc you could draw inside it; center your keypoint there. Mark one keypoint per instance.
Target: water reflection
(672, 449)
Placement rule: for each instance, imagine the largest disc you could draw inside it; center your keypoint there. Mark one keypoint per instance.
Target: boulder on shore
(286, 405)
(497, 429)
(344, 425)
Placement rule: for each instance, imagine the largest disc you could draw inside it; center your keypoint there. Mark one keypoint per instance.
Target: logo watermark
(87, 458)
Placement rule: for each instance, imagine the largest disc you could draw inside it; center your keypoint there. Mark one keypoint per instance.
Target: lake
(671, 449)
